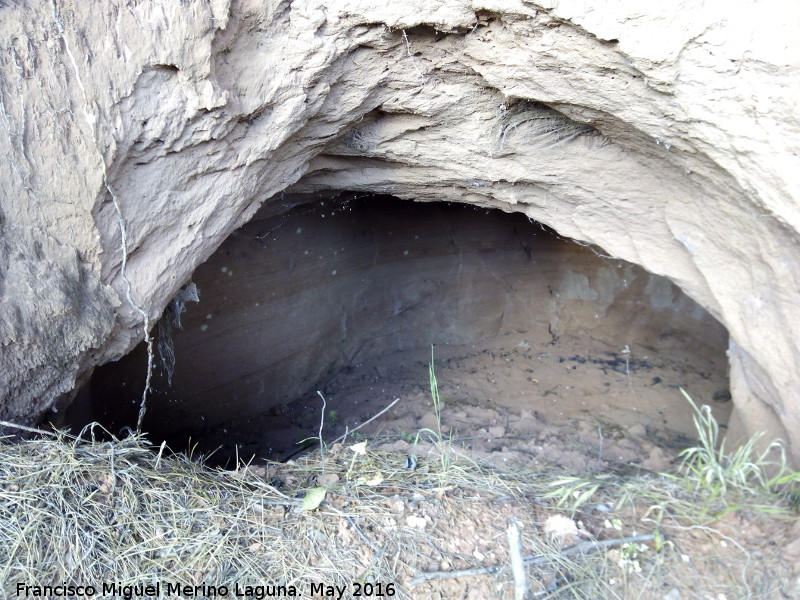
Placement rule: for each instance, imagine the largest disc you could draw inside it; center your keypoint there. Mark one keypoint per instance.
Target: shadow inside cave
(344, 297)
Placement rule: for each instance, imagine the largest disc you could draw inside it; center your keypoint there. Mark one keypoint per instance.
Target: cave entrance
(543, 347)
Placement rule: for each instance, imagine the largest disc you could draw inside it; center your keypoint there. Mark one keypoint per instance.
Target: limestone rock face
(136, 137)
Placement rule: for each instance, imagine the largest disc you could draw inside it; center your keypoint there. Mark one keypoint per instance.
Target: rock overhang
(677, 164)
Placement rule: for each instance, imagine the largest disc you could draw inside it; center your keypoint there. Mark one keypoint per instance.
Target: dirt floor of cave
(576, 402)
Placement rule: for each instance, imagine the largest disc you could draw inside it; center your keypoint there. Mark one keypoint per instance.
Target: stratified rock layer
(137, 137)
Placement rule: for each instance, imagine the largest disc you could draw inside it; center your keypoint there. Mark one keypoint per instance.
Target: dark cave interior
(342, 297)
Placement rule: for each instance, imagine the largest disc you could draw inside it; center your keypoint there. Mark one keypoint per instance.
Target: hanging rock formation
(137, 136)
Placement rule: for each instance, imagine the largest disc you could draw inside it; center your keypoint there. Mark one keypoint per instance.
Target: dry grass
(122, 512)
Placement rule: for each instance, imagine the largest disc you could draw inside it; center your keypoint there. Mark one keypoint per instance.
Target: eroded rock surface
(137, 137)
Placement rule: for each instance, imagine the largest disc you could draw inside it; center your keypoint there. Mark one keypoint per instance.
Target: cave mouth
(345, 296)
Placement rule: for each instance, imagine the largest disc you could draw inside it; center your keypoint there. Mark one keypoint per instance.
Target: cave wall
(137, 137)
(289, 303)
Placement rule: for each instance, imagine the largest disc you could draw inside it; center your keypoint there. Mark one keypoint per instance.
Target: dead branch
(531, 560)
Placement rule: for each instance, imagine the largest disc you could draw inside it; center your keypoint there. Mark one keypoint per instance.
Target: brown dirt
(575, 402)
(564, 406)
(463, 529)
(578, 404)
